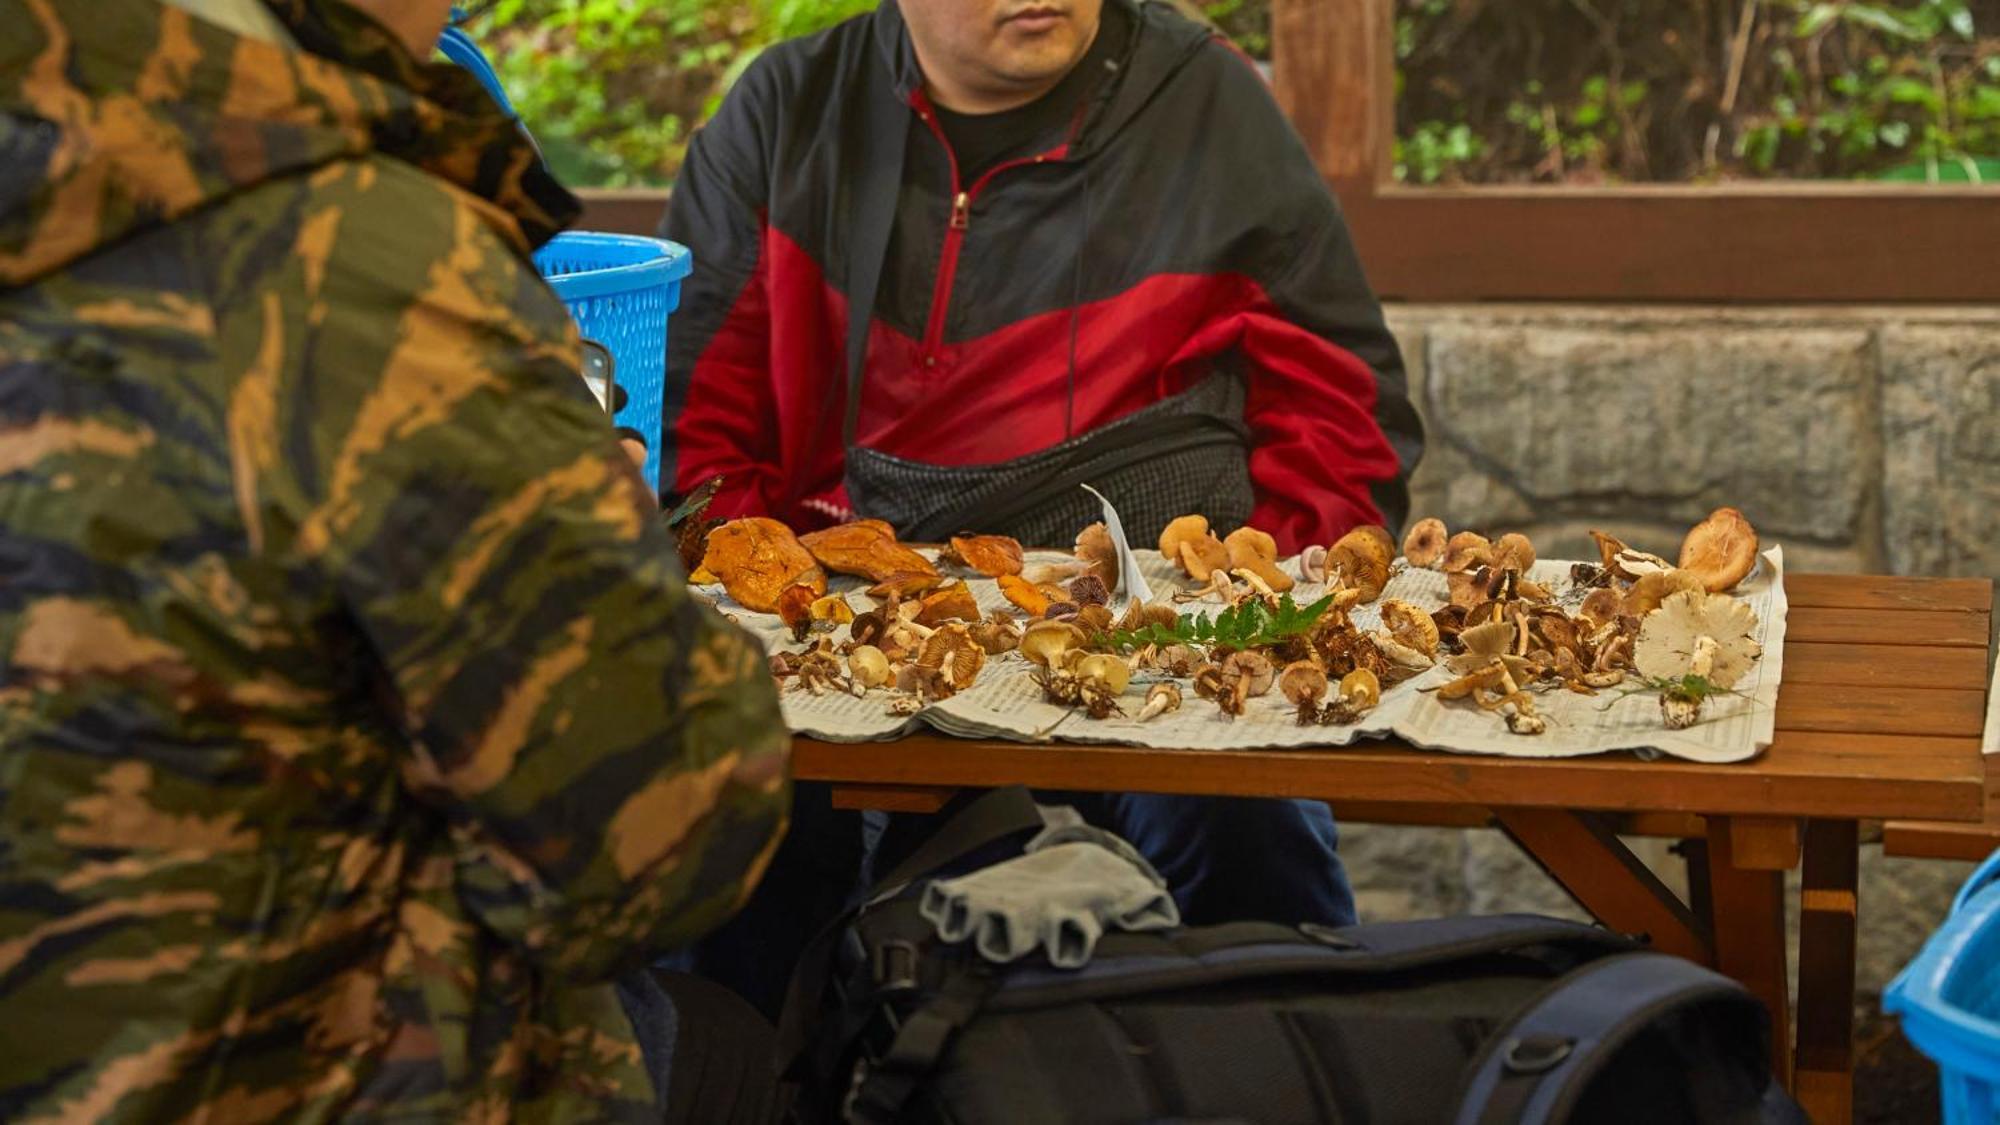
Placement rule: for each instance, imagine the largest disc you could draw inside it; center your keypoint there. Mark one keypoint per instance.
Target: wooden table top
(1880, 715)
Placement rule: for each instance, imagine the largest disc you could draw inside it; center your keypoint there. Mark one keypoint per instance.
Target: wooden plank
(1333, 73)
(622, 210)
(1800, 774)
(1605, 878)
(892, 798)
(1948, 713)
(1940, 839)
(1748, 929)
(1761, 843)
(1884, 666)
(1828, 891)
(1790, 242)
(1873, 591)
(1935, 628)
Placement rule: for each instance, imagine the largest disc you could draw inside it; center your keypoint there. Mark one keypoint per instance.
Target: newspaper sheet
(1004, 703)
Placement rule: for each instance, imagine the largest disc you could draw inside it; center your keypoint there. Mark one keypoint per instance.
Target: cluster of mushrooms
(1630, 614)
(1503, 636)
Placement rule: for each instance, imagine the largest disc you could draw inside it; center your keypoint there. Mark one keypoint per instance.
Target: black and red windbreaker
(1180, 226)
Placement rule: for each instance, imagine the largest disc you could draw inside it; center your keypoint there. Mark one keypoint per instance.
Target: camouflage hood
(121, 115)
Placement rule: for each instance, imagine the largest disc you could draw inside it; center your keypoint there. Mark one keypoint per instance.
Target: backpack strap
(994, 816)
(1532, 1071)
(882, 1087)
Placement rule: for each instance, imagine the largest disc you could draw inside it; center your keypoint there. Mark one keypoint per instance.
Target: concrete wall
(1861, 439)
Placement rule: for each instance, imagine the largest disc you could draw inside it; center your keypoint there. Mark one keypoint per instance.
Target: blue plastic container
(1949, 1000)
(621, 289)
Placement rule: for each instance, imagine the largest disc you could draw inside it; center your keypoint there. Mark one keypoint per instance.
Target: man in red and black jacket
(955, 257)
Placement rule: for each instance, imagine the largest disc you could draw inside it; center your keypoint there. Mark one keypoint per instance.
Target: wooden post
(1749, 929)
(1827, 909)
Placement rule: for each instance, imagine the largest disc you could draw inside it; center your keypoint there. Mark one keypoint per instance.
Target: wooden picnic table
(1879, 717)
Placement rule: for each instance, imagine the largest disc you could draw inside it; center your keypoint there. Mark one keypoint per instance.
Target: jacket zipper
(954, 234)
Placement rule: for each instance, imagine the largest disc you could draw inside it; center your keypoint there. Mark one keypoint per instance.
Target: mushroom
(1045, 642)
(868, 667)
(1304, 683)
(1105, 670)
(1252, 668)
(795, 609)
(1094, 618)
(1625, 563)
(1648, 592)
(1361, 690)
(1361, 559)
(1023, 594)
(1468, 550)
(1253, 552)
(1089, 589)
(1094, 546)
(1410, 626)
(1697, 634)
(832, 609)
(1514, 552)
(1721, 550)
(957, 657)
(952, 602)
(1485, 644)
(1186, 529)
(1312, 564)
(1601, 606)
(1695, 642)
(998, 633)
(1160, 699)
(1203, 557)
(1404, 660)
(1425, 543)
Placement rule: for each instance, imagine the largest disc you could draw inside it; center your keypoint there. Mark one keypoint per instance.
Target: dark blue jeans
(1226, 859)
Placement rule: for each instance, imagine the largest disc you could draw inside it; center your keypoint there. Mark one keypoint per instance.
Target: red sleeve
(725, 427)
(1316, 443)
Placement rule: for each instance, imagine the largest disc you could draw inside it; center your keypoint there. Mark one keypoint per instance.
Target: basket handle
(1986, 873)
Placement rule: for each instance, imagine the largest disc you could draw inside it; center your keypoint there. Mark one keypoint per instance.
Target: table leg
(1827, 904)
(1602, 874)
(1749, 926)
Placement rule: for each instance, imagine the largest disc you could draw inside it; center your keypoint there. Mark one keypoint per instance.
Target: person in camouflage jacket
(355, 722)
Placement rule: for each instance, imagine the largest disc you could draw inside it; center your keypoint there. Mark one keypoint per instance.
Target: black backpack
(1509, 1018)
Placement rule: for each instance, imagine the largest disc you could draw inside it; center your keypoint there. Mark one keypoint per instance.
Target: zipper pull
(961, 211)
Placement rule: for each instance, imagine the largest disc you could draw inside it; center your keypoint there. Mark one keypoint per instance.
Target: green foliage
(612, 88)
(1249, 625)
(1679, 90)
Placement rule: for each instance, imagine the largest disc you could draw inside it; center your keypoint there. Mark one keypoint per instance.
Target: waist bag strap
(1534, 1070)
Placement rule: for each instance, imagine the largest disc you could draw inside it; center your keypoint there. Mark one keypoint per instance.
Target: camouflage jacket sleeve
(608, 752)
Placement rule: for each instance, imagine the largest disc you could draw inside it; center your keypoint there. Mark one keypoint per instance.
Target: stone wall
(1859, 439)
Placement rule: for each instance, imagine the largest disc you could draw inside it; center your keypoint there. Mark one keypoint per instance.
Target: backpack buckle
(1536, 1054)
(895, 966)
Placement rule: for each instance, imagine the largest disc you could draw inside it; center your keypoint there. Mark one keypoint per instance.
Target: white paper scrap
(1131, 578)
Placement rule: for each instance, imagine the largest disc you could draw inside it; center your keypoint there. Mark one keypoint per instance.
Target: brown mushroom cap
(1468, 550)
(1181, 531)
(1720, 550)
(1247, 543)
(1252, 668)
(1362, 558)
(1361, 689)
(1424, 545)
(1303, 682)
(1513, 551)
(1094, 546)
(1410, 626)
(1203, 557)
(1650, 590)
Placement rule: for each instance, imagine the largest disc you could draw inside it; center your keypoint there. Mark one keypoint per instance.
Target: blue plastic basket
(1949, 1000)
(621, 289)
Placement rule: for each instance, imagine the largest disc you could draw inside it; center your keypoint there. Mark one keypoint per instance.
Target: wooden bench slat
(1927, 628)
(1870, 591)
(1936, 839)
(1886, 666)
(1949, 712)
